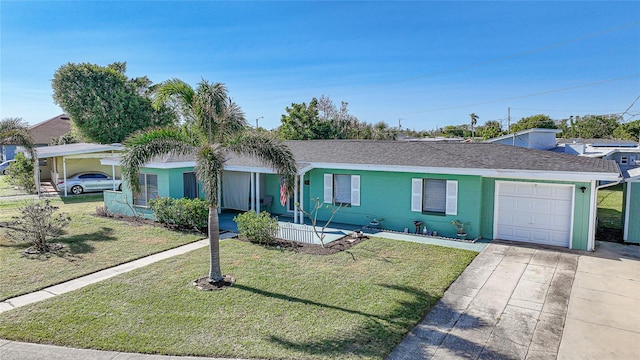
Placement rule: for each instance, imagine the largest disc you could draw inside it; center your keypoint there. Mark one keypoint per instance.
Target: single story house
(42, 133)
(540, 139)
(498, 191)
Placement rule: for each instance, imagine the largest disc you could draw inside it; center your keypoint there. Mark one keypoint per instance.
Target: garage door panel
(532, 212)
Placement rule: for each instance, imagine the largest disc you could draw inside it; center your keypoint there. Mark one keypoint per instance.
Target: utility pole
(399, 124)
(261, 117)
(508, 120)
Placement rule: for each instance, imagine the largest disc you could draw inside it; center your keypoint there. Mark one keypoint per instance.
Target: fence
(297, 232)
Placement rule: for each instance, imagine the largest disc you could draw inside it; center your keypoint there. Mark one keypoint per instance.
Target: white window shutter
(328, 188)
(416, 195)
(355, 190)
(452, 197)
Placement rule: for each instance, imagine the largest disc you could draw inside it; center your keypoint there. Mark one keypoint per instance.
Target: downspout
(36, 175)
(252, 186)
(257, 198)
(113, 176)
(625, 234)
(591, 242)
(301, 200)
(295, 201)
(64, 174)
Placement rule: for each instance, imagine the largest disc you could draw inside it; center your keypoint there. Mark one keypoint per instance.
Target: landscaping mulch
(336, 246)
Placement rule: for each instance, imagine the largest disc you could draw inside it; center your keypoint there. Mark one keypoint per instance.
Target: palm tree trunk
(215, 274)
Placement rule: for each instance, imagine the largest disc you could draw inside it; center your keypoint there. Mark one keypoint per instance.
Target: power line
(502, 58)
(521, 96)
(630, 106)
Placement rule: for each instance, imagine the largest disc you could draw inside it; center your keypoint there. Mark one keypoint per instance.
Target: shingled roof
(437, 155)
(55, 127)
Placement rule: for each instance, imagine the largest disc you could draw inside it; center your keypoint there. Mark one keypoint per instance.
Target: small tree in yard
(313, 215)
(21, 173)
(38, 225)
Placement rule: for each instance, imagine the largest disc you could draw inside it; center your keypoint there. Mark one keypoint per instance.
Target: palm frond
(16, 132)
(144, 146)
(172, 92)
(232, 121)
(269, 150)
(209, 165)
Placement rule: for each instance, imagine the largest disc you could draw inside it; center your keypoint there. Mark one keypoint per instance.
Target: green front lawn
(92, 243)
(357, 304)
(610, 207)
(7, 189)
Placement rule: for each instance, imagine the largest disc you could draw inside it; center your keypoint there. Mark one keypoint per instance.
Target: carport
(61, 160)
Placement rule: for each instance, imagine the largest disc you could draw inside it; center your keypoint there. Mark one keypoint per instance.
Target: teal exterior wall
(388, 195)
(631, 191)
(581, 207)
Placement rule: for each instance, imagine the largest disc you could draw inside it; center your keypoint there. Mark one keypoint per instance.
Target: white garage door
(533, 212)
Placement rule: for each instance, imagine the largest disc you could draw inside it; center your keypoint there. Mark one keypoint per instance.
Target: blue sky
(428, 63)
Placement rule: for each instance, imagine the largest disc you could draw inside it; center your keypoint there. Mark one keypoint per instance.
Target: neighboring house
(540, 139)
(625, 153)
(61, 161)
(41, 133)
(499, 191)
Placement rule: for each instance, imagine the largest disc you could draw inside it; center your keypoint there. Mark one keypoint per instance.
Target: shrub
(186, 214)
(261, 228)
(38, 225)
(103, 211)
(21, 173)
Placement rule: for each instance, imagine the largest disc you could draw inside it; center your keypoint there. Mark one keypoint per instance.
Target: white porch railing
(297, 232)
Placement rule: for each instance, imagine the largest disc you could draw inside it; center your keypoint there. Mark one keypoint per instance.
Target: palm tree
(214, 127)
(16, 132)
(474, 121)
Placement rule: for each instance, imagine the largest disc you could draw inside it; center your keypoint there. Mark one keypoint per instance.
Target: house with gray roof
(42, 133)
(497, 191)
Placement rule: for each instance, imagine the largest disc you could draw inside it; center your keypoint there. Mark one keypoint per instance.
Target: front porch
(338, 230)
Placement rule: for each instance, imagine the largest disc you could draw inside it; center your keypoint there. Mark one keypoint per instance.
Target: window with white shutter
(342, 189)
(434, 196)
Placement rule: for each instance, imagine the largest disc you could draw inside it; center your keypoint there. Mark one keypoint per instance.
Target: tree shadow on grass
(78, 244)
(379, 335)
(73, 245)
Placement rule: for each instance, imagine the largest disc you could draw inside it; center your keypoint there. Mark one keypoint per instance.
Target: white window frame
(624, 160)
(329, 196)
(451, 197)
(144, 190)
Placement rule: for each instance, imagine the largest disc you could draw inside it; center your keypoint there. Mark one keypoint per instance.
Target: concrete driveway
(603, 320)
(516, 301)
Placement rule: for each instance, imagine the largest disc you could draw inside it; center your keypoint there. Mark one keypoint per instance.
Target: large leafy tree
(217, 127)
(628, 131)
(595, 126)
(14, 131)
(539, 121)
(491, 129)
(104, 104)
(321, 119)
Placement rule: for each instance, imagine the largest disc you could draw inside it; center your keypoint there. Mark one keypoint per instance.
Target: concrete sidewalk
(13, 350)
(93, 278)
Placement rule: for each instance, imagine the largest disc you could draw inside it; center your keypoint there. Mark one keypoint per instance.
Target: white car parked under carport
(88, 182)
